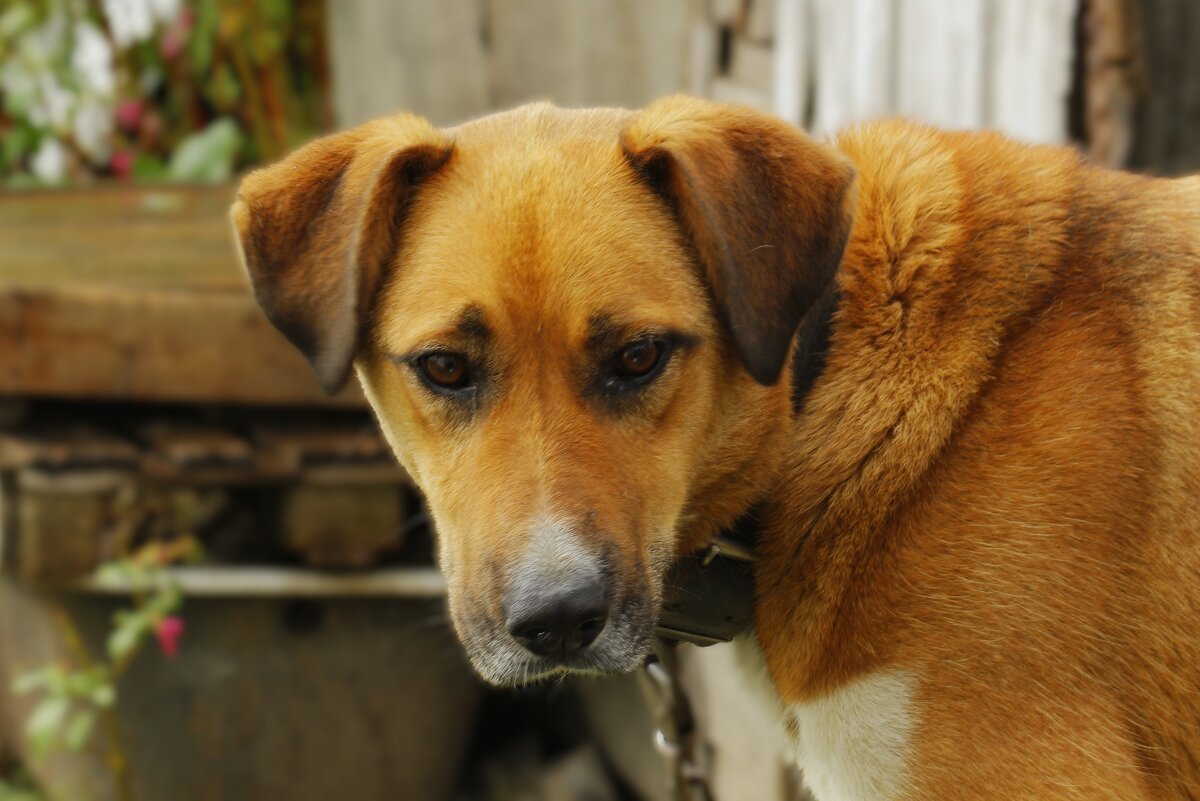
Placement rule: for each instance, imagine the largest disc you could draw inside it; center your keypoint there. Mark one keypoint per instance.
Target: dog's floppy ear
(317, 230)
(766, 209)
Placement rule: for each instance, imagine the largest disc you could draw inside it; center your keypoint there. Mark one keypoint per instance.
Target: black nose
(559, 622)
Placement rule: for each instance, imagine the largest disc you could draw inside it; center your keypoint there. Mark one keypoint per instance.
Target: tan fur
(992, 490)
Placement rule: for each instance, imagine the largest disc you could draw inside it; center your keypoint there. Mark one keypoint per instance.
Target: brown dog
(979, 572)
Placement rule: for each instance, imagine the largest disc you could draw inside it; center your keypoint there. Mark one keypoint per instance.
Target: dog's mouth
(620, 647)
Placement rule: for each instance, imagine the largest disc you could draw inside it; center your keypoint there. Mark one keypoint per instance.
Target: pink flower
(171, 44)
(169, 631)
(129, 114)
(121, 164)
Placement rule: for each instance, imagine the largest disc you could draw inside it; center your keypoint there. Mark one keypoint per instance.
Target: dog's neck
(928, 297)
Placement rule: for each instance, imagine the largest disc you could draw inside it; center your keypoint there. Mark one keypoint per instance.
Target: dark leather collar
(709, 595)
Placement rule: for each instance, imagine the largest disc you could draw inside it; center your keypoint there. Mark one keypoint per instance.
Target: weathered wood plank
(1167, 120)
(730, 91)
(295, 447)
(60, 523)
(855, 60)
(137, 294)
(258, 692)
(407, 55)
(598, 52)
(66, 445)
(662, 48)
(342, 526)
(727, 12)
(760, 21)
(792, 63)
(753, 65)
(1029, 77)
(1112, 61)
(153, 345)
(940, 61)
(177, 238)
(274, 582)
(704, 47)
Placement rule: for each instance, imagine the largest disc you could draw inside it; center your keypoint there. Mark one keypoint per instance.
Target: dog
(956, 380)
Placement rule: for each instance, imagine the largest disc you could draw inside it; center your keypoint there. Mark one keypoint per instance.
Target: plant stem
(118, 762)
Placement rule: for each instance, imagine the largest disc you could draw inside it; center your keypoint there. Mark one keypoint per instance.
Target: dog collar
(710, 594)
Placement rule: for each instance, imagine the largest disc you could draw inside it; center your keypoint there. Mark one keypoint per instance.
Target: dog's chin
(502, 662)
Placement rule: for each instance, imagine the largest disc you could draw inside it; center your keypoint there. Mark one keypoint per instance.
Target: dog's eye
(445, 370)
(640, 358)
(638, 363)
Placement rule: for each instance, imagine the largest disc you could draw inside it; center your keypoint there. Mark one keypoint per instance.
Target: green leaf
(104, 695)
(78, 729)
(15, 20)
(34, 680)
(20, 788)
(207, 156)
(127, 634)
(21, 180)
(148, 168)
(265, 46)
(165, 601)
(200, 44)
(42, 728)
(16, 143)
(111, 574)
(91, 684)
(276, 12)
(223, 88)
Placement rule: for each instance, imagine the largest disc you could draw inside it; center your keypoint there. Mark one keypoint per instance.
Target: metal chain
(684, 752)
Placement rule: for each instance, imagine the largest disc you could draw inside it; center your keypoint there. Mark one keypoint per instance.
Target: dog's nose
(561, 622)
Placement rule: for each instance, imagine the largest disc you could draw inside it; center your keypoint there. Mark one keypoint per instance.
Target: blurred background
(214, 583)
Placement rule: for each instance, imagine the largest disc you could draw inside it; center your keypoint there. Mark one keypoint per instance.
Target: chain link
(683, 751)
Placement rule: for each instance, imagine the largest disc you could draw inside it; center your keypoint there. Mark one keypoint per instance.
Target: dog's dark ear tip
(764, 366)
(766, 374)
(334, 384)
(332, 374)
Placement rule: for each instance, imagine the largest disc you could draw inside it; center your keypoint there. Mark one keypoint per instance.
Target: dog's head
(572, 326)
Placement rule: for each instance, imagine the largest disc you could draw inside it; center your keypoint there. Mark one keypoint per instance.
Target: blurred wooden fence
(1120, 77)
(822, 63)
(455, 59)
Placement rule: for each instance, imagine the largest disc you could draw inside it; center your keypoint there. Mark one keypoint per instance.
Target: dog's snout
(561, 621)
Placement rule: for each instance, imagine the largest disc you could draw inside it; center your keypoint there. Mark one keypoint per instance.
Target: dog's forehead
(539, 219)
(537, 124)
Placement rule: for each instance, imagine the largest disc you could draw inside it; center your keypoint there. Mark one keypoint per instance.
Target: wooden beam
(275, 582)
(88, 342)
(116, 236)
(131, 294)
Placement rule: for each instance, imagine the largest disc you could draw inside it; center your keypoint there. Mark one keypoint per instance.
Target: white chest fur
(853, 743)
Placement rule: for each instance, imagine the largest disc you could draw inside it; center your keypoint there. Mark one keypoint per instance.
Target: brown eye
(446, 370)
(640, 358)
